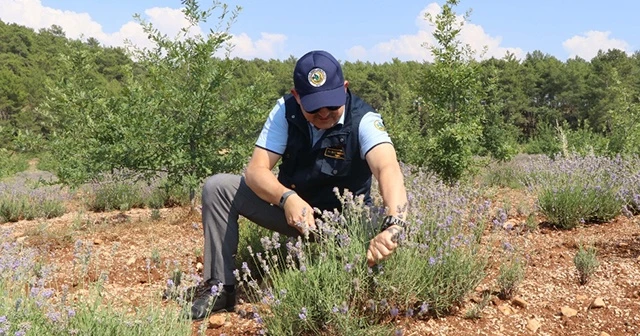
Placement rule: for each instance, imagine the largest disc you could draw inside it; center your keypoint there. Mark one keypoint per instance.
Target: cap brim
(314, 101)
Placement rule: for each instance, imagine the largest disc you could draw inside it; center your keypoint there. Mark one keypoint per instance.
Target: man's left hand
(383, 245)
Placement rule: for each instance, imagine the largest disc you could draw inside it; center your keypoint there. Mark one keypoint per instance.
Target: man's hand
(383, 245)
(297, 211)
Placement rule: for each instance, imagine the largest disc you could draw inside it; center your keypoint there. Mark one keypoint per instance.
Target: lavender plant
(124, 190)
(22, 197)
(323, 285)
(511, 273)
(586, 262)
(578, 189)
(439, 261)
(630, 190)
(29, 306)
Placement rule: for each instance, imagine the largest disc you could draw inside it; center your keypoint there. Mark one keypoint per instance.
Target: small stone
(581, 298)
(199, 267)
(597, 303)
(604, 334)
(21, 240)
(568, 312)
(216, 321)
(509, 224)
(533, 325)
(519, 302)
(131, 261)
(505, 309)
(97, 241)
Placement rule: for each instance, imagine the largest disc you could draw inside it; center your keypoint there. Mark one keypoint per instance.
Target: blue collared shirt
(275, 131)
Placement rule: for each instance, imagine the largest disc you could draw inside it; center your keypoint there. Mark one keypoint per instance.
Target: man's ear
(346, 85)
(296, 95)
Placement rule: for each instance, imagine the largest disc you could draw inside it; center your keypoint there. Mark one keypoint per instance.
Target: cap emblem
(317, 77)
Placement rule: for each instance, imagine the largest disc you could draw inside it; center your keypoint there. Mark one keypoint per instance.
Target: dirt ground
(135, 253)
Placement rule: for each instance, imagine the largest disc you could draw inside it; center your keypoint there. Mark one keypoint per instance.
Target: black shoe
(205, 302)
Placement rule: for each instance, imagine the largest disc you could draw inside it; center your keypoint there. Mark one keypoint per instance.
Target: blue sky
(359, 30)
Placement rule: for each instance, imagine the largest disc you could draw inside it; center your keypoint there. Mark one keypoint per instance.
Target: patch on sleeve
(379, 125)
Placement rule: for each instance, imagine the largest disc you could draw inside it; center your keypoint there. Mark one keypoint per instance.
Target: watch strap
(390, 221)
(284, 197)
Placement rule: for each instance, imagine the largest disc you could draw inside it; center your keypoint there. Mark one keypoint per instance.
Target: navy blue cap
(318, 80)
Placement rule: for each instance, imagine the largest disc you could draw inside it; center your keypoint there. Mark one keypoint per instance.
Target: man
(326, 138)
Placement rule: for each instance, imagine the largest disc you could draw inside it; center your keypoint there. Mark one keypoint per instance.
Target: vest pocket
(335, 167)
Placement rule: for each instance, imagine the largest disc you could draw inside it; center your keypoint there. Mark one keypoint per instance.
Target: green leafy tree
(624, 118)
(452, 94)
(498, 135)
(182, 116)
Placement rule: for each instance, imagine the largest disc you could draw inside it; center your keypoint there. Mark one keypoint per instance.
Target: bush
(630, 190)
(503, 174)
(511, 275)
(28, 307)
(578, 189)
(11, 163)
(326, 286)
(586, 262)
(18, 201)
(120, 191)
(115, 196)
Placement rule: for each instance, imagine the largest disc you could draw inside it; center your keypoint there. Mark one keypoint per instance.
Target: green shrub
(48, 162)
(115, 196)
(578, 189)
(18, 202)
(586, 262)
(326, 287)
(11, 163)
(574, 203)
(124, 193)
(503, 174)
(39, 310)
(510, 276)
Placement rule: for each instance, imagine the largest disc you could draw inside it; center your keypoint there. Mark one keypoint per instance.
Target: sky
(365, 30)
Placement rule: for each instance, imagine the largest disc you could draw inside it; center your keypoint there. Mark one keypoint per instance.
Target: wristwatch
(284, 198)
(390, 221)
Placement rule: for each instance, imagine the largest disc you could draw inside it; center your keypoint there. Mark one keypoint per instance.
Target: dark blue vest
(334, 161)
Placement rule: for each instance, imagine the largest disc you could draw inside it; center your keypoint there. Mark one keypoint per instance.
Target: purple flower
(393, 312)
(424, 308)
(54, 317)
(257, 318)
(303, 313)
(348, 267)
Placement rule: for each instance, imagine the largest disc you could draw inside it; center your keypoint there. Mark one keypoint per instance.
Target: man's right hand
(299, 213)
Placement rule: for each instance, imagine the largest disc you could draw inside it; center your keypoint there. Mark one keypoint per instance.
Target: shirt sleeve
(275, 130)
(372, 132)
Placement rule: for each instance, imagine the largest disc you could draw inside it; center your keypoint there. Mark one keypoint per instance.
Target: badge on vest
(334, 153)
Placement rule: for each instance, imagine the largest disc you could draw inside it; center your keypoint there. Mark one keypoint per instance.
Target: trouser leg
(224, 198)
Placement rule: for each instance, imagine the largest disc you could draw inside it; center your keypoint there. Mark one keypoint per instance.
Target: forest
(527, 101)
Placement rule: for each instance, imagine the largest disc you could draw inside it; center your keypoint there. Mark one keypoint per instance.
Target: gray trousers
(224, 198)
